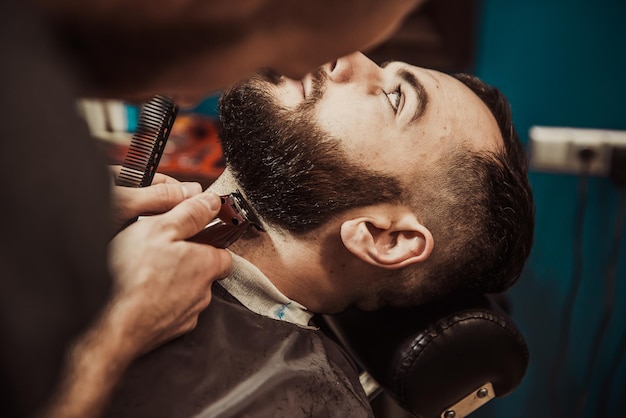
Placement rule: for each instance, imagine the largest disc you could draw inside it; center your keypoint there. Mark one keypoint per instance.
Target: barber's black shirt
(54, 209)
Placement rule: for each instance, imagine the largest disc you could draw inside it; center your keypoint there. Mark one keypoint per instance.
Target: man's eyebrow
(420, 91)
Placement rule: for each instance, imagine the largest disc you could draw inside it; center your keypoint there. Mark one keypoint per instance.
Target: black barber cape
(237, 363)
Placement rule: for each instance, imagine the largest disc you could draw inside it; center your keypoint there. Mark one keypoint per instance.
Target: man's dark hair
(480, 209)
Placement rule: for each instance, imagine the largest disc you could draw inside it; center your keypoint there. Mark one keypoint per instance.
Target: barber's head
(422, 172)
(135, 49)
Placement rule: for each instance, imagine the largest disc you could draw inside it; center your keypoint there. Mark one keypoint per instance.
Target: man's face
(398, 116)
(350, 134)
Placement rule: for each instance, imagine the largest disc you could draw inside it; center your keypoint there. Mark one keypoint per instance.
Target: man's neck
(224, 184)
(296, 267)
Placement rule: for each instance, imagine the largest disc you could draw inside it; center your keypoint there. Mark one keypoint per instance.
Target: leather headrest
(430, 357)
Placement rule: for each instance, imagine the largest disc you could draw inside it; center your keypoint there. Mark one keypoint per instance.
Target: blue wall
(563, 63)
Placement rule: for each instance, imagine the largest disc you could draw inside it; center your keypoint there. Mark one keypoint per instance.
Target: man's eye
(394, 99)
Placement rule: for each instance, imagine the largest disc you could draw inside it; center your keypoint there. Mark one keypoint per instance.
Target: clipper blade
(234, 219)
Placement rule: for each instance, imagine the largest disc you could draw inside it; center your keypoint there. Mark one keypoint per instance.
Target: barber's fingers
(192, 215)
(115, 170)
(163, 178)
(154, 199)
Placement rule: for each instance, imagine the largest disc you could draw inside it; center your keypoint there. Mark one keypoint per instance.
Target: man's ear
(389, 242)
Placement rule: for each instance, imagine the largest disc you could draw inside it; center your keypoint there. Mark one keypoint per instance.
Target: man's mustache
(319, 78)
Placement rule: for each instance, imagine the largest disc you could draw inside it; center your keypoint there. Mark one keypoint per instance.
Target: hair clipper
(233, 220)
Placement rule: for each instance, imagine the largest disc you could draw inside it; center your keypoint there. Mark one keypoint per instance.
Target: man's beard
(294, 175)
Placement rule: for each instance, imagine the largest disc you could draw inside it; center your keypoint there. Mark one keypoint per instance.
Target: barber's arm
(162, 283)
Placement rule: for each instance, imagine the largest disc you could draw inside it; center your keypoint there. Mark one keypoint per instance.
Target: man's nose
(355, 67)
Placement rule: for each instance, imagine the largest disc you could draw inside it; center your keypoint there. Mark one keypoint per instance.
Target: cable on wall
(609, 305)
(568, 310)
(617, 173)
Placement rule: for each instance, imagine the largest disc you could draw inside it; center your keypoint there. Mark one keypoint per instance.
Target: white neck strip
(256, 292)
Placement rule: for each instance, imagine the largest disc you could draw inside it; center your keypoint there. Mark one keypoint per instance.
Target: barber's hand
(164, 193)
(162, 281)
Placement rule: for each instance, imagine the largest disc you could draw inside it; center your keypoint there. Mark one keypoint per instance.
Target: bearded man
(391, 185)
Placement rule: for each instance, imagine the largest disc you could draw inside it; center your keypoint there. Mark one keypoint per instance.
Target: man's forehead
(461, 108)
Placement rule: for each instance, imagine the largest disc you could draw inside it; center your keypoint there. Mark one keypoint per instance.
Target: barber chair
(442, 360)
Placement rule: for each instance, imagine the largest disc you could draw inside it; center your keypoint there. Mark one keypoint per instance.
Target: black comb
(146, 147)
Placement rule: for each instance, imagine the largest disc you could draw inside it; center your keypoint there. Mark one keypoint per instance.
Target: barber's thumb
(190, 216)
(211, 200)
